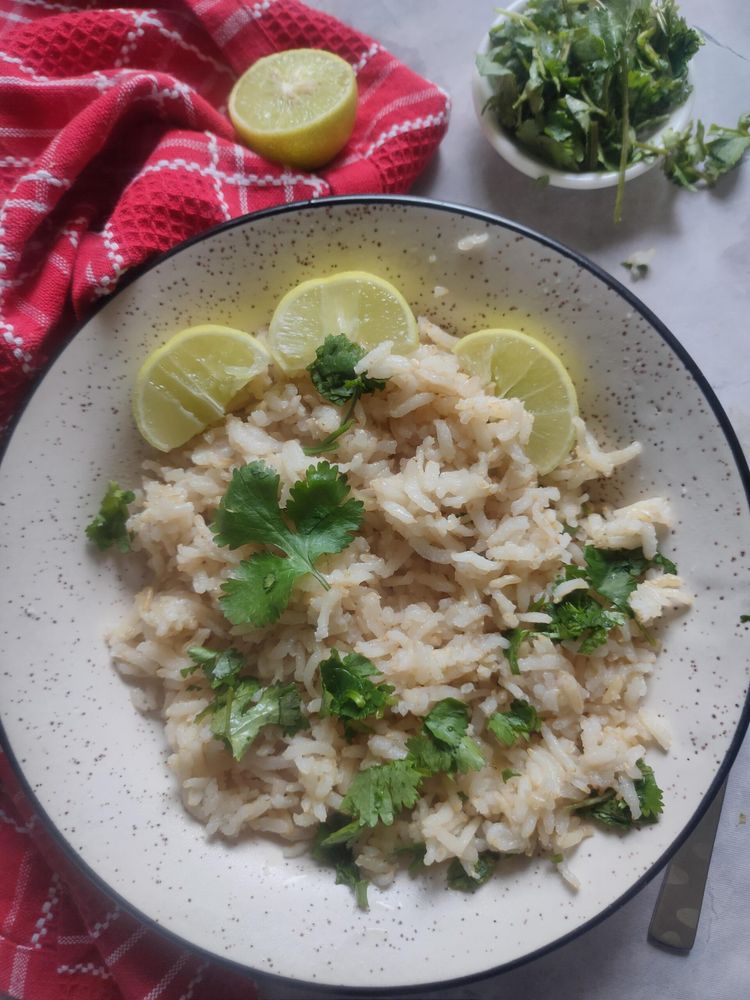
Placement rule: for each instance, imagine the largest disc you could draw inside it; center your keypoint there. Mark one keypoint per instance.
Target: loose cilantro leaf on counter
(609, 809)
(459, 878)
(519, 723)
(348, 693)
(317, 520)
(108, 527)
(340, 857)
(443, 745)
(333, 375)
(697, 157)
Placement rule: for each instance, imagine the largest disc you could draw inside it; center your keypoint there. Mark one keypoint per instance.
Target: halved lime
(523, 368)
(365, 308)
(191, 381)
(296, 107)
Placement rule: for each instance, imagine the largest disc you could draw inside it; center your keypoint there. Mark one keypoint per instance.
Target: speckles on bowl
(99, 768)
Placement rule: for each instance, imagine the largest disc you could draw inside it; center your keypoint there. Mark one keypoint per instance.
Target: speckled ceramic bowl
(98, 768)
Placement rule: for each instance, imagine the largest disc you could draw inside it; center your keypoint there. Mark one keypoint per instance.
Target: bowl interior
(99, 768)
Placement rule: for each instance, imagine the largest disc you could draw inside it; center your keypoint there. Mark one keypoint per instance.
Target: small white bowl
(511, 151)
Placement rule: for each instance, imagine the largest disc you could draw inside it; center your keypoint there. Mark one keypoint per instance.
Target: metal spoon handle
(674, 923)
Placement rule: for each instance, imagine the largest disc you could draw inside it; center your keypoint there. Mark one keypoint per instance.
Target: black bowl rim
(742, 470)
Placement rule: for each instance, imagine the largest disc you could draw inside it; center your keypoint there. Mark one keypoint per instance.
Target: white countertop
(699, 285)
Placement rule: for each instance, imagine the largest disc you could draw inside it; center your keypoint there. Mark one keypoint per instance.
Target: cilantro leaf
(649, 794)
(259, 589)
(744, 619)
(239, 717)
(614, 573)
(333, 373)
(446, 725)
(516, 636)
(334, 377)
(428, 757)
(507, 773)
(324, 521)
(579, 616)
(609, 809)
(341, 857)
(221, 667)
(518, 723)
(108, 527)
(237, 714)
(460, 880)
(348, 693)
(378, 793)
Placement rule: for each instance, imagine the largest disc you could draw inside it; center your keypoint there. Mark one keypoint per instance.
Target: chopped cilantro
(323, 520)
(516, 636)
(348, 693)
(609, 809)
(519, 723)
(340, 857)
(590, 615)
(443, 745)
(334, 377)
(459, 878)
(506, 774)
(579, 83)
(241, 706)
(744, 619)
(556, 859)
(108, 527)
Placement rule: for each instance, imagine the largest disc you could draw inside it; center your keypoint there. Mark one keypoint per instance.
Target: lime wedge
(523, 368)
(365, 308)
(296, 107)
(191, 381)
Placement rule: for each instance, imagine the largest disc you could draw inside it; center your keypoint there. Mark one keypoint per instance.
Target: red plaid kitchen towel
(114, 146)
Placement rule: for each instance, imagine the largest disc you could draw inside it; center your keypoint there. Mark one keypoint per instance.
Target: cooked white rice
(458, 538)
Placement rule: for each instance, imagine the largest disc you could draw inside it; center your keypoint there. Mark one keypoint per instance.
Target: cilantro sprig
(108, 527)
(588, 616)
(319, 519)
(609, 809)
(333, 375)
(379, 793)
(348, 692)
(242, 706)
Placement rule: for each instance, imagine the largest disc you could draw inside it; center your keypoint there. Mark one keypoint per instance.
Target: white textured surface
(699, 286)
